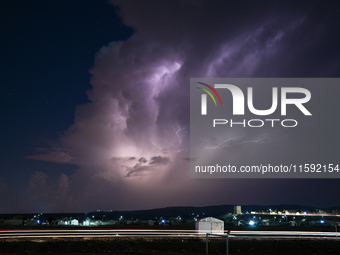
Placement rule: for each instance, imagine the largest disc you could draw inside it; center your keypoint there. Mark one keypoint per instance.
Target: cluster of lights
(36, 217)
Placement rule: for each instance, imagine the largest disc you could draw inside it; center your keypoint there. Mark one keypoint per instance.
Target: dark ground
(168, 245)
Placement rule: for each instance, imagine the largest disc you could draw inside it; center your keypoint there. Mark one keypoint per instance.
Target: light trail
(38, 233)
(283, 233)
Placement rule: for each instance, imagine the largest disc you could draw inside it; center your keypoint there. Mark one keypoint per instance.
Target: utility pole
(336, 230)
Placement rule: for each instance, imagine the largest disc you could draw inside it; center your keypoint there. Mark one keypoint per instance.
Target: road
(37, 233)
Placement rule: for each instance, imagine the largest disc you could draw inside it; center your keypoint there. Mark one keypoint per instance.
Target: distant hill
(185, 212)
(190, 212)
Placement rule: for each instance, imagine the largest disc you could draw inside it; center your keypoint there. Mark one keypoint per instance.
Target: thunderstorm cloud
(132, 137)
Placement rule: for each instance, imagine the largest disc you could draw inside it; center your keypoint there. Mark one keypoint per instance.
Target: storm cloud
(131, 138)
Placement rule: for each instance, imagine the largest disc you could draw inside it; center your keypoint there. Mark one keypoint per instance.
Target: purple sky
(128, 145)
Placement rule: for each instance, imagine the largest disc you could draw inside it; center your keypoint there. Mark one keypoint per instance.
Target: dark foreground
(168, 245)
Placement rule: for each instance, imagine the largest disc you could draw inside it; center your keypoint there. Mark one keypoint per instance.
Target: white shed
(73, 222)
(210, 225)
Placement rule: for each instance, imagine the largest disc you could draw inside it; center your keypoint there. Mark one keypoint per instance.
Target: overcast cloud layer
(130, 142)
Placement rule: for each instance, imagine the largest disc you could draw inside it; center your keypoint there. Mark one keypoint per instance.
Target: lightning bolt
(155, 144)
(263, 138)
(239, 140)
(172, 147)
(179, 129)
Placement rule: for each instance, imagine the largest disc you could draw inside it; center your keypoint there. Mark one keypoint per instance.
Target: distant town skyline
(95, 98)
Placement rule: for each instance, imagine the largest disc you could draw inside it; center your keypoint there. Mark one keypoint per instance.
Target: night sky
(95, 97)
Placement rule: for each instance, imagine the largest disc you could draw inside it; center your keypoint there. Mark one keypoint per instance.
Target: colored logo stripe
(209, 94)
(213, 90)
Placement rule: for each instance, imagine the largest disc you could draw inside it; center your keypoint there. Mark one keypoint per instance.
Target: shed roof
(210, 219)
